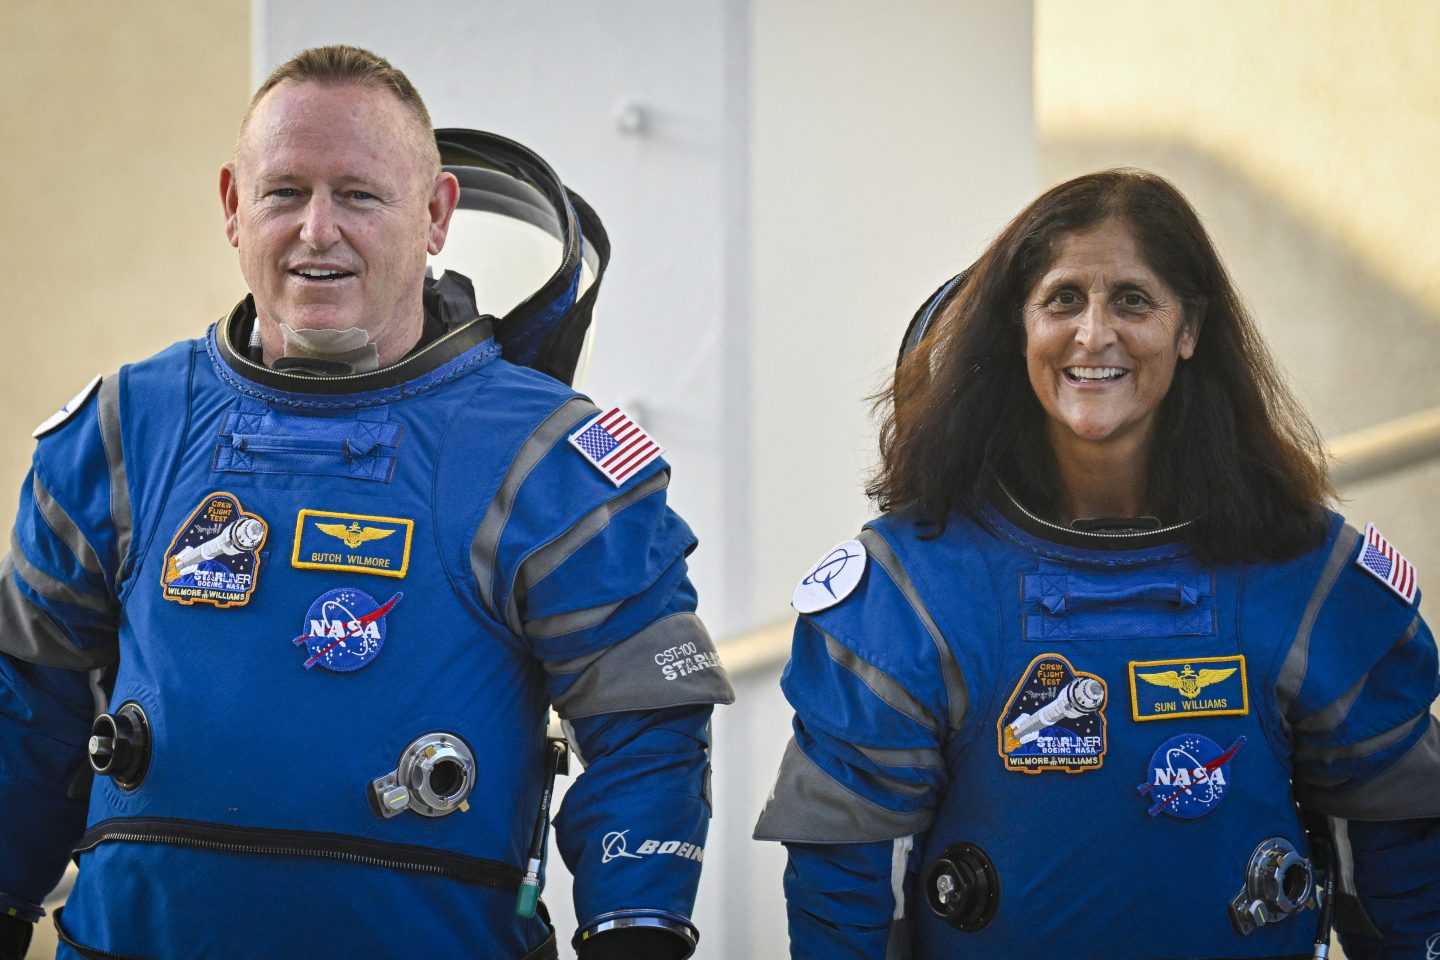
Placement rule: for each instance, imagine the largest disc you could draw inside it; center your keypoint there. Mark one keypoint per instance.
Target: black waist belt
(304, 843)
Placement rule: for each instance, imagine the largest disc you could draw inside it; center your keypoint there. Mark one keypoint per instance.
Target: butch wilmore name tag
(1194, 687)
(353, 542)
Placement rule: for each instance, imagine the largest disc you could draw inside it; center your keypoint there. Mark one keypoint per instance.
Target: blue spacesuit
(331, 614)
(1019, 740)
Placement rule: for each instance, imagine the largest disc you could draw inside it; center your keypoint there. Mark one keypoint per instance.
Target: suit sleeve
(593, 578)
(874, 698)
(1367, 757)
(58, 618)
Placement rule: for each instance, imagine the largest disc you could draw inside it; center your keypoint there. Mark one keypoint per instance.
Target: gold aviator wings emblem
(354, 535)
(1188, 681)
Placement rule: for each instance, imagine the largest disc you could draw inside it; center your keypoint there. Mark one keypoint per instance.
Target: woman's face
(1103, 333)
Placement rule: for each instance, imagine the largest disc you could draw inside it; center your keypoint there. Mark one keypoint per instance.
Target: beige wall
(116, 118)
(1305, 132)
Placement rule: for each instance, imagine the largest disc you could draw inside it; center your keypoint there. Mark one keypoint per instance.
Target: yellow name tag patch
(354, 542)
(1193, 687)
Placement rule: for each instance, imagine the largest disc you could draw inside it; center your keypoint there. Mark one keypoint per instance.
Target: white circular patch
(66, 412)
(831, 579)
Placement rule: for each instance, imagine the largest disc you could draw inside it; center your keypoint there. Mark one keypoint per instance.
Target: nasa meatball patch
(344, 629)
(1189, 775)
(1055, 719)
(831, 579)
(215, 556)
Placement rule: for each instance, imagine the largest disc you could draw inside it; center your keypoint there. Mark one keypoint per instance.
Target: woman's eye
(1065, 298)
(1134, 301)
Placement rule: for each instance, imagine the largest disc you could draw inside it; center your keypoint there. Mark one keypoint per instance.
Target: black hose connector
(120, 745)
(963, 887)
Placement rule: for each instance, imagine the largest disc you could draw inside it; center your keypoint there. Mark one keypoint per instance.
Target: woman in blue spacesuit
(1106, 679)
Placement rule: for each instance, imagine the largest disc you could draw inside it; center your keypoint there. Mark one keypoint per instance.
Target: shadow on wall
(1356, 350)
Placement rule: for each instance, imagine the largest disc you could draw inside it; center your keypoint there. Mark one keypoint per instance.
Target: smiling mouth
(1094, 374)
(319, 275)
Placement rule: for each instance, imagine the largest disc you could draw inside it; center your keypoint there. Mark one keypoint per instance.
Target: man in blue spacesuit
(321, 574)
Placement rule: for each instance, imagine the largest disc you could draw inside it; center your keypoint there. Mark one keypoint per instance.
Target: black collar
(443, 339)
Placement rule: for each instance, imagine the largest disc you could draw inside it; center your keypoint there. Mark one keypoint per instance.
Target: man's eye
(284, 193)
(361, 195)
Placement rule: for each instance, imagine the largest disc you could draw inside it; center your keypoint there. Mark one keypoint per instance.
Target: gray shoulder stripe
(810, 806)
(1329, 718)
(955, 691)
(108, 411)
(1297, 659)
(560, 624)
(31, 635)
(923, 757)
(486, 545)
(546, 559)
(671, 663)
(1404, 791)
(65, 528)
(881, 684)
(42, 582)
(1363, 748)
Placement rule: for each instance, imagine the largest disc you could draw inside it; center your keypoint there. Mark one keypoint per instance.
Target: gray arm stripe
(955, 691)
(810, 806)
(646, 672)
(108, 408)
(45, 584)
(31, 635)
(546, 559)
(486, 545)
(1363, 748)
(923, 757)
(1292, 673)
(1329, 718)
(1404, 791)
(881, 684)
(65, 528)
(563, 623)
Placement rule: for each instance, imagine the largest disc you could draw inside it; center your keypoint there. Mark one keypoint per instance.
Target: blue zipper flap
(359, 443)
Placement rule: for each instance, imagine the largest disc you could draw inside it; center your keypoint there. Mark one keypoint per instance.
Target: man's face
(333, 211)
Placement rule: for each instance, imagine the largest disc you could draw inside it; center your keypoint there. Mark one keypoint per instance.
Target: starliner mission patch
(215, 556)
(1055, 719)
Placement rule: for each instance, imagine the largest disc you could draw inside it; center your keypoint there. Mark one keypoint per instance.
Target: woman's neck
(1102, 479)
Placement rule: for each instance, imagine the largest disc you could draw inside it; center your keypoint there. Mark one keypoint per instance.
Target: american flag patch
(1387, 564)
(615, 445)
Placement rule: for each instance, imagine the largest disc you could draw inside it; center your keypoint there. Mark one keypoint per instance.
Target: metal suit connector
(433, 777)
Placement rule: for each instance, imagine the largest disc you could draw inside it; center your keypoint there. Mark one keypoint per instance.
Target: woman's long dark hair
(1233, 451)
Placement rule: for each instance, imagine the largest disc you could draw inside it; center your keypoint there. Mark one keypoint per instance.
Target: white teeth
(319, 274)
(1094, 373)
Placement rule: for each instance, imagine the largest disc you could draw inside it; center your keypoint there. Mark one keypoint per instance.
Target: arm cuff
(672, 923)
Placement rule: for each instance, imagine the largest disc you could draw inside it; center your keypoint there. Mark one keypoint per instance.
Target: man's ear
(230, 202)
(444, 198)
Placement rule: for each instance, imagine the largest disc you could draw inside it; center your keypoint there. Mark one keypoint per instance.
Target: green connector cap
(528, 898)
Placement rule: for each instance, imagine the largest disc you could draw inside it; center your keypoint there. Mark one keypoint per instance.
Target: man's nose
(1094, 328)
(319, 229)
